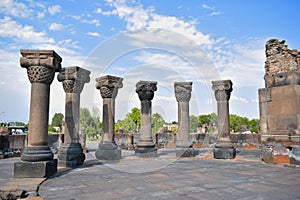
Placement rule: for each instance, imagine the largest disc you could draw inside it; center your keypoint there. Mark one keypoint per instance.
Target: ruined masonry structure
(108, 86)
(279, 101)
(146, 146)
(37, 158)
(184, 146)
(70, 153)
(224, 148)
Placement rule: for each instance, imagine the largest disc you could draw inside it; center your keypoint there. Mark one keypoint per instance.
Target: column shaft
(146, 122)
(183, 121)
(223, 119)
(72, 113)
(108, 120)
(39, 114)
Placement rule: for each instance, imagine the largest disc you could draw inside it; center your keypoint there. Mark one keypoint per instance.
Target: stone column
(184, 146)
(146, 146)
(70, 152)
(37, 159)
(108, 86)
(224, 149)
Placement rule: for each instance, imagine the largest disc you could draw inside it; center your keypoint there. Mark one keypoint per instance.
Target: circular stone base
(37, 153)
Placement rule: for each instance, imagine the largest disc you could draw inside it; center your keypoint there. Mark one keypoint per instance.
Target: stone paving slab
(166, 177)
(170, 178)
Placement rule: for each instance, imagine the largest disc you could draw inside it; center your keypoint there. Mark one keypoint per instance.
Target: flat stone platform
(167, 177)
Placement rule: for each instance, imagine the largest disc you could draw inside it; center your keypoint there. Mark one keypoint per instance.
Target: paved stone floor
(166, 177)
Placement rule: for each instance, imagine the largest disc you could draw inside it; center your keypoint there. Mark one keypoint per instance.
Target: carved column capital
(73, 79)
(183, 91)
(109, 85)
(41, 65)
(223, 89)
(146, 89)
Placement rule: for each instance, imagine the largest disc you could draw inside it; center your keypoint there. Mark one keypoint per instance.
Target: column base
(224, 150)
(42, 169)
(37, 153)
(184, 149)
(108, 151)
(184, 152)
(70, 155)
(146, 152)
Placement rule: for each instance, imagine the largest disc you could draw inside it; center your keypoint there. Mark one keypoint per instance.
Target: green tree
(135, 116)
(57, 120)
(157, 122)
(127, 125)
(89, 124)
(193, 124)
(254, 125)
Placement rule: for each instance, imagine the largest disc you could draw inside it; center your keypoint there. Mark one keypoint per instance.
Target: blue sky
(164, 41)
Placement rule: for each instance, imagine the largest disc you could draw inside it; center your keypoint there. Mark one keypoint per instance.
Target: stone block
(184, 152)
(108, 154)
(264, 95)
(224, 153)
(35, 169)
(267, 154)
(70, 155)
(295, 156)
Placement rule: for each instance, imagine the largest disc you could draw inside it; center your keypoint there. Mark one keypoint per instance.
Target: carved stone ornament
(146, 89)
(41, 65)
(223, 89)
(109, 85)
(183, 91)
(73, 79)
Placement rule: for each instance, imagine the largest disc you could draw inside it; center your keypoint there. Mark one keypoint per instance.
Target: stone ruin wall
(279, 101)
(282, 66)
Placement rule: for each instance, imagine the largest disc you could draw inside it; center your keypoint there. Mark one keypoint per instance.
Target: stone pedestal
(70, 153)
(184, 146)
(37, 159)
(108, 86)
(146, 146)
(224, 148)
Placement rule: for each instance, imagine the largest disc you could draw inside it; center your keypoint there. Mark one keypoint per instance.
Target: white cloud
(14, 8)
(94, 34)
(207, 7)
(96, 22)
(53, 10)
(239, 99)
(215, 13)
(69, 43)
(14, 30)
(40, 15)
(56, 27)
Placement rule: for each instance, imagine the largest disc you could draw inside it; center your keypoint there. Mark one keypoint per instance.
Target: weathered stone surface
(145, 91)
(73, 79)
(282, 64)
(70, 155)
(279, 101)
(295, 155)
(184, 146)
(35, 169)
(224, 148)
(108, 86)
(41, 66)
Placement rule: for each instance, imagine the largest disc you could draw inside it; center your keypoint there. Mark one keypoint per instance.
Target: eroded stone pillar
(108, 86)
(224, 149)
(37, 158)
(146, 146)
(70, 152)
(184, 146)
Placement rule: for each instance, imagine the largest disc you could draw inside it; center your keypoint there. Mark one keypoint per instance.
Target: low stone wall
(168, 140)
(281, 153)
